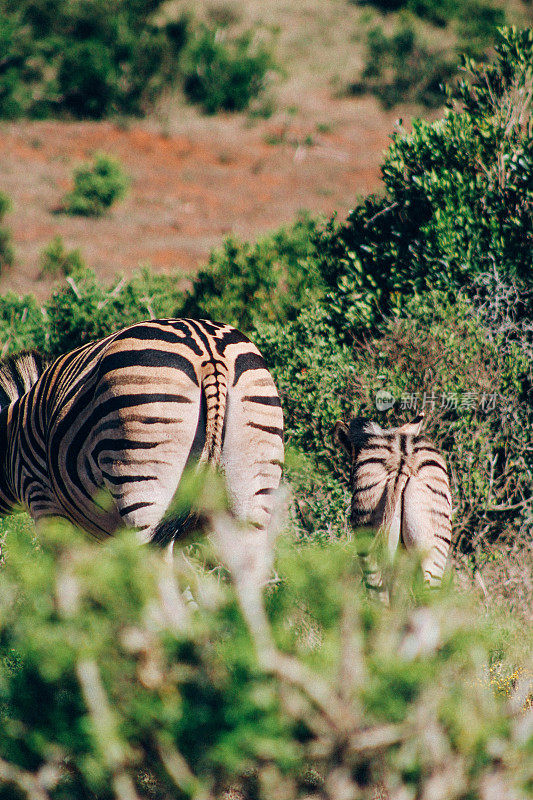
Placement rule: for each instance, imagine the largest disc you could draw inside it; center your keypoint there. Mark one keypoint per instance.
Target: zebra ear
(414, 427)
(341, 435)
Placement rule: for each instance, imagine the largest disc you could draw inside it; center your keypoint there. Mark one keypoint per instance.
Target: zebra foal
(126, 415)
(399, 483)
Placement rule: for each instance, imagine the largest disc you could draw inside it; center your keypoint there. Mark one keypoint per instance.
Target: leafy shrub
(111, 686)
(84, 309)
(481, 14)
(311, 369)
(88, 59)
(224, 75)
(400, 68)
(16, 74)
(268, 281)
(318, 499)
(6, 250)
(56, 260)
(457, 200)
(22, 324)
(96, 187)
(87, 80)
(477, 25)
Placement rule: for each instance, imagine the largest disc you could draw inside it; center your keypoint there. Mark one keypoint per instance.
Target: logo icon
(384, 400)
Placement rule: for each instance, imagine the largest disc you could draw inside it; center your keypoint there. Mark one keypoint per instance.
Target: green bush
(318, 497)
(85, 309)
(457, 200)
(6, 249)
(22, 324)
(97, 186)
(56, 260)
(224, 75)
(483, 15)
(16, 72)
(400, 68)
(111, 686)
(268, 281)
(87, 79)
(312, 370)
(89, 59)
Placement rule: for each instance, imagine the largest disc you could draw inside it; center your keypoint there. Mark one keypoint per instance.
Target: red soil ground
(209, 178)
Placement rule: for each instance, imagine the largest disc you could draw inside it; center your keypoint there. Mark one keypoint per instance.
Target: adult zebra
(400, 485)
(124, 416)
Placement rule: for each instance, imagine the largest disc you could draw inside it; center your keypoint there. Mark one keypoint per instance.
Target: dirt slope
(206, 179)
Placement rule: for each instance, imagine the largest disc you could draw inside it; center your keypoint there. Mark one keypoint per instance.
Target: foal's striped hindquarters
(102, 436)
(400, 485)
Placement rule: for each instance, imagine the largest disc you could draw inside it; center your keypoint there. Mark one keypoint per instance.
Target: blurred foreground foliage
(112, 686)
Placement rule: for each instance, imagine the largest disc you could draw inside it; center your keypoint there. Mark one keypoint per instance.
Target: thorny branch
(103, 723)
(27, 782)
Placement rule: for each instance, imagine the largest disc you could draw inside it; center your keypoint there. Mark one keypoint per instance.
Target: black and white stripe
(102, 436)
(400, 485)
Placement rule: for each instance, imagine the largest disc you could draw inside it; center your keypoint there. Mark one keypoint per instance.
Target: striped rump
(102, 436)
(400, 485)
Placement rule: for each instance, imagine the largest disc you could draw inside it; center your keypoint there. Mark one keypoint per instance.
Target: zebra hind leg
(373, 578)
(371, 557)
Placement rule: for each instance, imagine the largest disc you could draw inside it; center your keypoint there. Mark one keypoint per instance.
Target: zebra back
(399, 483)
(18, 373)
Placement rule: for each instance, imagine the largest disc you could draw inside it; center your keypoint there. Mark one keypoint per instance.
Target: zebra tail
(392, 522)
(214, 384)
(215, 387)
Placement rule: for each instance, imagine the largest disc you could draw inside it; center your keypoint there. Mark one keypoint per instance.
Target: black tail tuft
(175, 527)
